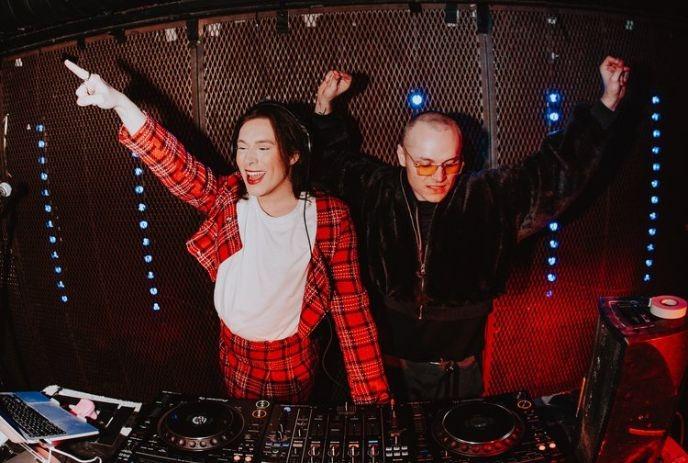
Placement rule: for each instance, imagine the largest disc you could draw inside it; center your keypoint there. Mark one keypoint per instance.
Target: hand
(94, 91)
(614, 74)
(334, 84)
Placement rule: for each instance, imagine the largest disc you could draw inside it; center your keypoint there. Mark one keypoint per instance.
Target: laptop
(29, 417)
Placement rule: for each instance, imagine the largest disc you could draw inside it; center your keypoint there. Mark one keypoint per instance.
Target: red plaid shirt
(281, 369)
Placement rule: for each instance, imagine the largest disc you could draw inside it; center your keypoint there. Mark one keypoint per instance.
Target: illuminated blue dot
(52, 239)
(655, 100)
(44, 176)
(153, 291)
(64, 298)
(654, 199)
(416, 99)
(60, 284)
(138, 189)
(551, 277)
(41, 143)
(141, 207)
(148, 258)
(138, 171)
(653, 216)
(656, 133)
(655, 116)
(648, 262)
(45, 192)
(146, 242)
(41, 160)
(554, 97)
(156, 306)
(549, 293)
(654, 183)
(656, 150)
(58, 269)
(652, 231)
(143, 224)
(48, 208)
(650, 247)
(553, 244)
(54, 255)
(646, 277)
(554, 226)
(551, 261)
(40, 128)
(150, 275)
(553, 116)
(655, 166)
(49, 224)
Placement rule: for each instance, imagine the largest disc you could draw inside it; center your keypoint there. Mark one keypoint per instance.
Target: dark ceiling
(25, 24)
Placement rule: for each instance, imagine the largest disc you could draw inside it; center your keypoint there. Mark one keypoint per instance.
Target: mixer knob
(333, 451)
(314, 451)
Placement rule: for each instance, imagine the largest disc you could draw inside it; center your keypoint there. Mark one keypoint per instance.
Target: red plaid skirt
(281, 370)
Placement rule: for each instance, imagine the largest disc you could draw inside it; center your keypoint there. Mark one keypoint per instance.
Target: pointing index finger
(80, 72)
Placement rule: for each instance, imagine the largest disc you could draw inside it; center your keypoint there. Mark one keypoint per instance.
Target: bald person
(436, 241)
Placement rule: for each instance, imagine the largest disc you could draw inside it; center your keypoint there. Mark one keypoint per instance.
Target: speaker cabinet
(633, 384)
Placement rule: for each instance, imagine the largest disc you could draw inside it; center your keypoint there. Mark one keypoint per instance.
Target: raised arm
(547, 182)
(179, 171)
(347, 173)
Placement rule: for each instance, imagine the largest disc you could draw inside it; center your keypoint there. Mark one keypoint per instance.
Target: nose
(440, 175)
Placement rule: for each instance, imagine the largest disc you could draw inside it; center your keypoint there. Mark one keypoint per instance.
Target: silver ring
(90, 91)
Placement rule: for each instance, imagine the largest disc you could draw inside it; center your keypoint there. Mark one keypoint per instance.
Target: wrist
(323, 107)
(610, 101)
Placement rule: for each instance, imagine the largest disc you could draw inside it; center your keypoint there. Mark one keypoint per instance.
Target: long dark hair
(291, 135)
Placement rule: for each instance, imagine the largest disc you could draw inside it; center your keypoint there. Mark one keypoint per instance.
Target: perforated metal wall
(108, 339)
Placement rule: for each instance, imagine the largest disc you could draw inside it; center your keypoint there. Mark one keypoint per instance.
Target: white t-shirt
(259, 290)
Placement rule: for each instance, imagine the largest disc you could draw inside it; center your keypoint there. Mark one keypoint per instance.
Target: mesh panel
(107, 339)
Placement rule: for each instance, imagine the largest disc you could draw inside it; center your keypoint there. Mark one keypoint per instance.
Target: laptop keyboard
(32, 422)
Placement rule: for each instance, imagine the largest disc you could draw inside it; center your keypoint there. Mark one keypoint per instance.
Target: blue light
(554, 244)
(146, 242)
(48, 208)
(41, 160)
(655, 166)
(551, 277)
(141, 207)
(549, 293)
(652, 231)
(143, 224)
(148, 258)
(54, 255)
(655, 116)
(64, 298)
(41, 143)
(650, 247)
(138, 171)
(654, 183)
(138, 189)
(554, 97)
(40, 128)
(655, 100)
(58, 269)
(646, 277)
(653, 216)
(553, 116)
(656, 133)
(551, 261)
(60, 284)
(416, 99)
(554, 226)
(44, 176)
(49, 224)
(52, 239)
(156, 306)
(654, 199)
(153, 291)
(648, 262)
(656, 150)
(150, 275)
(45, 192)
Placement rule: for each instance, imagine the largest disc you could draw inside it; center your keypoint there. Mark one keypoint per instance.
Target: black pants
(418, 381)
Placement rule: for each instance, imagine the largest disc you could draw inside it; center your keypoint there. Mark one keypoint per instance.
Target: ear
(401, 155)
(294, 158)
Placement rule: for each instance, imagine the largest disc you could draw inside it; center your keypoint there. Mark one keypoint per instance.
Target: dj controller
(497, 429)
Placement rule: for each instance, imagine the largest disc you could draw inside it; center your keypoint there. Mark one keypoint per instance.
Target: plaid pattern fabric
(279, 369)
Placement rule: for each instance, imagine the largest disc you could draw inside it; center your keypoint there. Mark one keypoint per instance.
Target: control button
(552, 445)
(262, 404)
(542, 447)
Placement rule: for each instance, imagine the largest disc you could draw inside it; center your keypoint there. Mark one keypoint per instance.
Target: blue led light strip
(655, 167)
(144, 222)
(553, 117)
(51, 222)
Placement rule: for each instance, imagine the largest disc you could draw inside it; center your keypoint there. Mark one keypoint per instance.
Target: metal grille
(107, 339)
